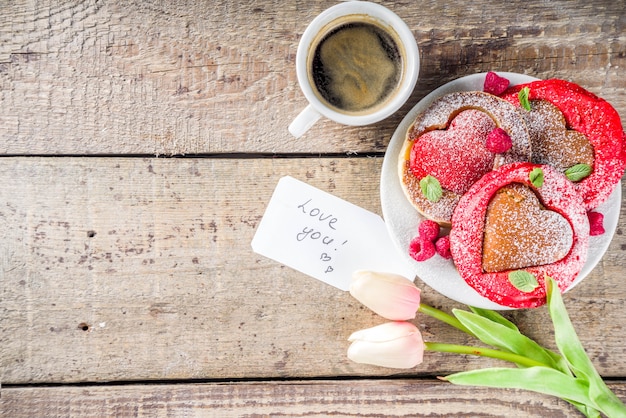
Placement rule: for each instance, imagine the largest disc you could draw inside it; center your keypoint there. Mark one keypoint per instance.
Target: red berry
(596, 221)
(498, 141)
(428, 230)
(495, 84)
(442, 246)
(421, 250)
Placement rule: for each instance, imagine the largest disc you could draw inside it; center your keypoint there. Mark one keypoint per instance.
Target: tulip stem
(443, 317)
(483, 352)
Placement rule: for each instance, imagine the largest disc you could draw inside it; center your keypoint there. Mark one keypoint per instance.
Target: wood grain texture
(139, 269)
(347, 398)
(128, 286)
(188, 77)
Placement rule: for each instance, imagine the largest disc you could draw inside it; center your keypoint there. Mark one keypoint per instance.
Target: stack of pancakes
(502, 219)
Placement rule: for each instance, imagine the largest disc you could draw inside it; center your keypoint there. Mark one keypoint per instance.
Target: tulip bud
(397, 345)
(389, 295)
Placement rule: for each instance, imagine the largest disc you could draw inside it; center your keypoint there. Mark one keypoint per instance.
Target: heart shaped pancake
(445, 154)
(553, 144)
(458, 163)
(557, 194)
(597, 120)
(520, 232)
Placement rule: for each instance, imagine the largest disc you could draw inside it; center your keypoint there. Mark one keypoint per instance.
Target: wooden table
(141, 142)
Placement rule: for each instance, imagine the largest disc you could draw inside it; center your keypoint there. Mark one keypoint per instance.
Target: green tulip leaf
(570, 346)
(505, 338)
(494, 316)
(564, 333)
(537, 379)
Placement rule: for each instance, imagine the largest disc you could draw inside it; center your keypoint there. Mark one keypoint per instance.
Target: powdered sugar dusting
(460, 158)
(440, 211)
(504, 115)
(593, 117)
(552, 142)
(468, 222)
(519, 233)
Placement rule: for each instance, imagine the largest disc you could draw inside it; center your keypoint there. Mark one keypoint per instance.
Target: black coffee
(356, 67)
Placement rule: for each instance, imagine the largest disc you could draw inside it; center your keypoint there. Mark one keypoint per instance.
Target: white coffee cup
(342, 15)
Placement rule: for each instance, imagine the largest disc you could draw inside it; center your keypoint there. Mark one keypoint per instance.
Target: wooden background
(140, 142)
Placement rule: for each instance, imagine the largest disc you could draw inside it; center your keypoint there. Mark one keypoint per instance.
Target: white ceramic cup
(338, 15)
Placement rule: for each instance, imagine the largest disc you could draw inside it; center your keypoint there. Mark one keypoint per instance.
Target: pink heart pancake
(557, 194)
(457, 156)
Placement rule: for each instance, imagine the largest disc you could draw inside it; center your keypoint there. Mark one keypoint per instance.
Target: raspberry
(442, 246)
(498, 141)
(495, 84)
(596, 220)
(421, 250)
(428, 230)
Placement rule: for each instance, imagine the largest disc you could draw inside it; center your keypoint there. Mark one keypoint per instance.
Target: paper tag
(323, 236)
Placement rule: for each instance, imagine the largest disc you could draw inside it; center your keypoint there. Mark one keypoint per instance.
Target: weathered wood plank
(349, 398)
(137, 269)
(198, 76)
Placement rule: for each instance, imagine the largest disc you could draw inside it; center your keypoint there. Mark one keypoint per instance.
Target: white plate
(402, 219)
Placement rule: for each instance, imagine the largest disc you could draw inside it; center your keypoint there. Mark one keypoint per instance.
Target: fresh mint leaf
(523, 280)
(523, 98)
(536, 177)
(431, 188)
(578, 172)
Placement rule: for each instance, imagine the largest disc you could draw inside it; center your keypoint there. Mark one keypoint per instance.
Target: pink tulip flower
(389, 295)
(397, 345)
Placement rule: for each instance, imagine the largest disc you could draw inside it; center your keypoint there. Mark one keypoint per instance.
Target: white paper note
(323, 236)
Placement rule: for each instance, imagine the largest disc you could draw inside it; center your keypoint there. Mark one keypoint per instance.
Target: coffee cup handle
(304, 121)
